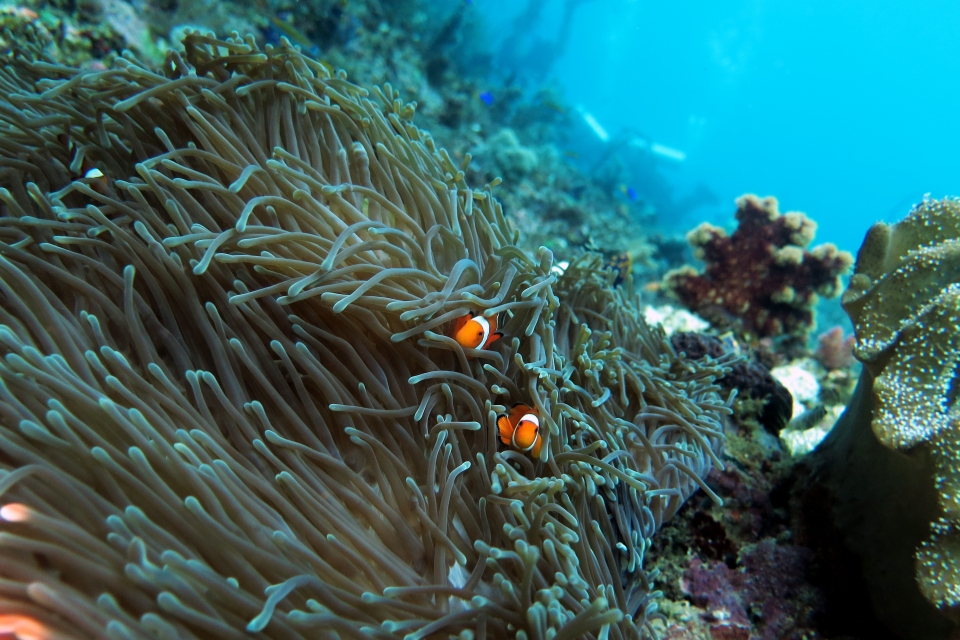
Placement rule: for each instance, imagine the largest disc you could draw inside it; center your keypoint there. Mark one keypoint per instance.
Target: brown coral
(892, 459)
(760, 280)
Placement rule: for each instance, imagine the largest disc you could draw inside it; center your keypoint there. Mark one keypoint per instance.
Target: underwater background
(844, 110)
(535, 319)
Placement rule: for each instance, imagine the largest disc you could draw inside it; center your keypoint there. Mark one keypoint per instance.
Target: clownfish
(82, 167)
(475, 332)
(521, 429)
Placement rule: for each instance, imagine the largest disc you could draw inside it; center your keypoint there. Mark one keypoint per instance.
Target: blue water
(847, 110)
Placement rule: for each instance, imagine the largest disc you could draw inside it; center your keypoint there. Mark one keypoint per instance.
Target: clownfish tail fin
(504, 428)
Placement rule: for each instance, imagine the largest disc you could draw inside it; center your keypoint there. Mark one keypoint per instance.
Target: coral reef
(760, 280)
(744, 570)
(807, 430)
(841, 369)
(802, 383)
(760, 396)
(552, 203)
(675, 320)
(86, 33)
(512, 160)
(768, 586)
(759, 386)
(228, 399)
(834, 349)
(891, 461)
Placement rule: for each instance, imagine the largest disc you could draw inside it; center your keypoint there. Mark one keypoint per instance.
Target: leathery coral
(760, 280)
(894, 454)
(229, 404)
(905, 302)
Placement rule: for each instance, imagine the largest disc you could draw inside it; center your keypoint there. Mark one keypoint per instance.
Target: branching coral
(760, 280)
(229, 404)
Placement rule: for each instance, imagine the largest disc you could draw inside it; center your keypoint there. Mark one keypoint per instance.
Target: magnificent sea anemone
(229, 404)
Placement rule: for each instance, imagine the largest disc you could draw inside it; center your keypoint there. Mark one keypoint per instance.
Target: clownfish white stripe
(485, 325)
(530, 418)
(526, 418)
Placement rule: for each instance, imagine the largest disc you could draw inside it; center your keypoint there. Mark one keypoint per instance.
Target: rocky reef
(760, 280)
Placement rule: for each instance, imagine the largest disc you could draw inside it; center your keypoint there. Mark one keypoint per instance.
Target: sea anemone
(229, 405)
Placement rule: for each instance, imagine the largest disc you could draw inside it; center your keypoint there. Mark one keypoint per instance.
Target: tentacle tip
(257, 624)
(15, 512)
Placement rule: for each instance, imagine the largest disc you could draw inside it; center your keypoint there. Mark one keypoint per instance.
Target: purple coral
(713, 587)
(766, 597)
(761, 279)
(834, 350)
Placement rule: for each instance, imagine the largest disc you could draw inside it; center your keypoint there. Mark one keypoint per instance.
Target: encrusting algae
(231, 405)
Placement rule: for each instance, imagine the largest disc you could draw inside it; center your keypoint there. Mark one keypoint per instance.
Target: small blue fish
(486, 97)
(630, 192)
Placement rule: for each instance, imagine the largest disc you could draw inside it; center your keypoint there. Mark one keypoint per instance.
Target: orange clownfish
(475, 332)
(521, 429)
